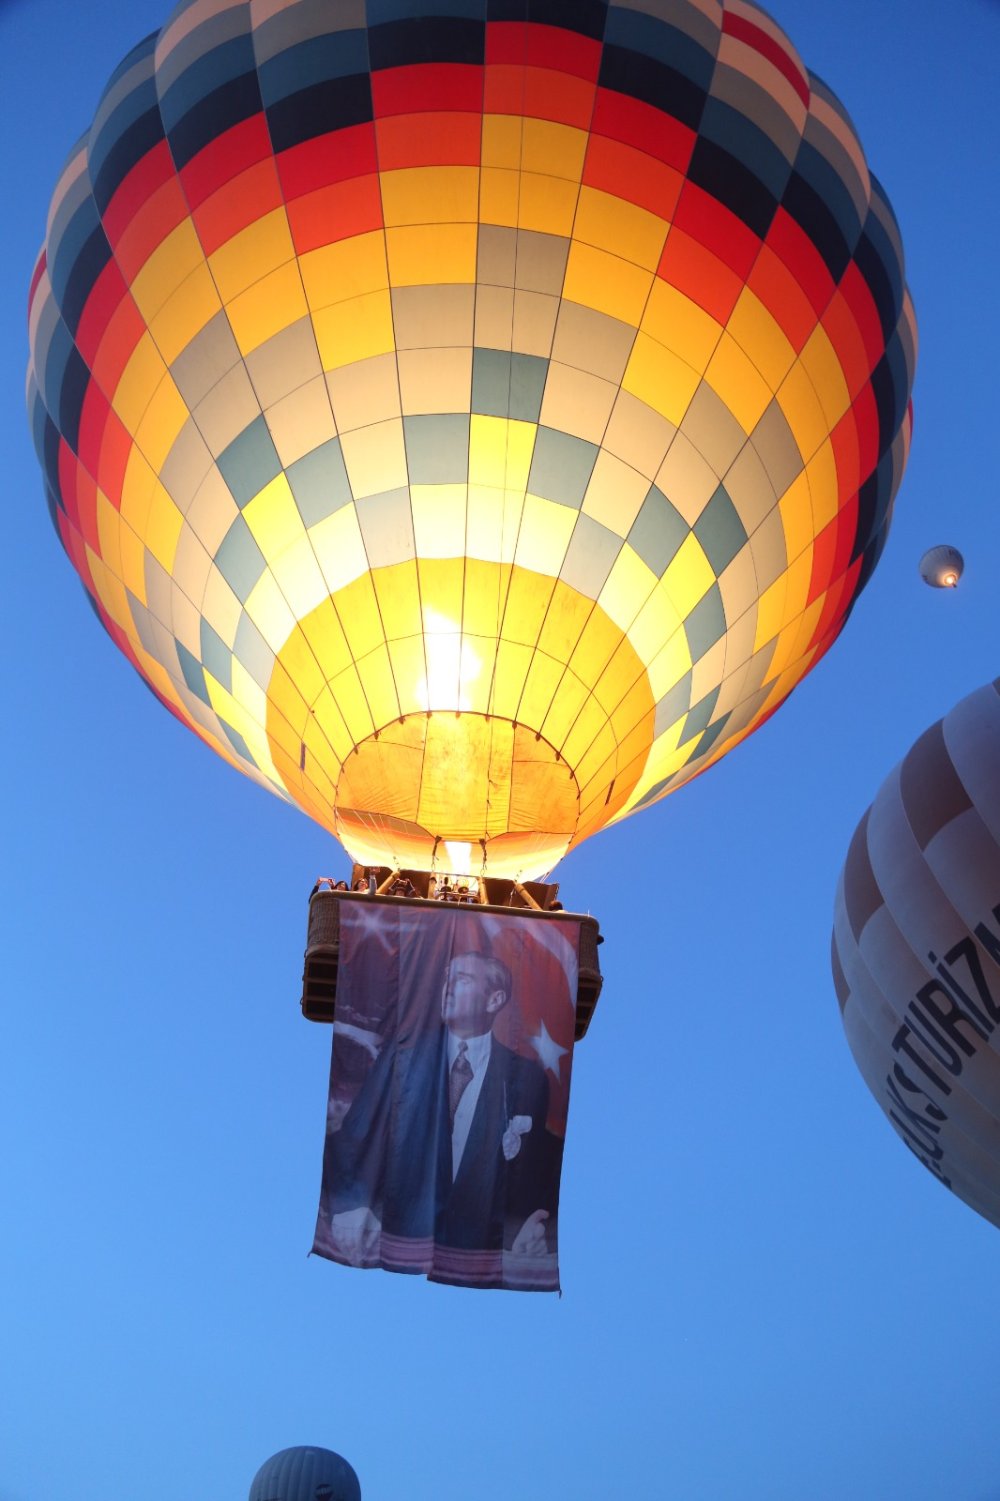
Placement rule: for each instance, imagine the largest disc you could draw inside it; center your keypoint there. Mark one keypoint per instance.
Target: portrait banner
(449, 1091)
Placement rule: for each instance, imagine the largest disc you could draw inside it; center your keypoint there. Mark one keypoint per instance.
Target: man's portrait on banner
(445, 1156)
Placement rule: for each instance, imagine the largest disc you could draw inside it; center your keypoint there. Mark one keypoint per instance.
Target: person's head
(476, 989)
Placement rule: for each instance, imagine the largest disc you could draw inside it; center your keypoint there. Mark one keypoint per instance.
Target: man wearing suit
(446, 1140)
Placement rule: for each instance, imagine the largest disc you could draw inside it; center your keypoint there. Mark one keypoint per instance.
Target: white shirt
(478, 1053)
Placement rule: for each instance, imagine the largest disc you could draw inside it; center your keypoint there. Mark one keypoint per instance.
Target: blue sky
(764, 1295)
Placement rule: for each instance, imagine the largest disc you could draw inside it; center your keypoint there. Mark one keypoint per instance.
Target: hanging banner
(449, 1088)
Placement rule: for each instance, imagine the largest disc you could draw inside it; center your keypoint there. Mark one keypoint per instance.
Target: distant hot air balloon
(471, 419)
(305, 1474)
(916, 949)
(942, 567)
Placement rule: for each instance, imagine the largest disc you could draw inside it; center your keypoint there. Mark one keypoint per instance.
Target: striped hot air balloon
(916, 949)
(471, 417)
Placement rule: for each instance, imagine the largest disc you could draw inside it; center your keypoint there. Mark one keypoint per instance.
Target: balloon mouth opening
(463, 795)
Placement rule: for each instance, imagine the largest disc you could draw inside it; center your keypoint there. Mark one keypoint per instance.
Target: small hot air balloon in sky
(305, 1474)
(471, 419)
(916, 949)
(942, 567)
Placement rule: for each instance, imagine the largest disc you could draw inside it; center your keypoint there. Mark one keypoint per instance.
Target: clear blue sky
(765, 1295)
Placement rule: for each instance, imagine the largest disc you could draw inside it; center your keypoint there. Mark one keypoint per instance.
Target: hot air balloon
(471, 419)
(916, 950)
(305, 1474)
(942, 567)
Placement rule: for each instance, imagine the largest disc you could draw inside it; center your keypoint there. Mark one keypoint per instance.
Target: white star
(548, 1050)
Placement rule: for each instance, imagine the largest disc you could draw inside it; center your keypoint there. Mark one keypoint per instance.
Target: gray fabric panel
(252, 652)
(319, 482)
(778, 450)
(508, 385)
(706, 624)
(658, 531)
(672, 705)
(437, 449)
(387, 527)
(216, 656)
(720, 531)
(590, 556)
(250, 462)
(240, 560)
(561, 467)
(211, 353)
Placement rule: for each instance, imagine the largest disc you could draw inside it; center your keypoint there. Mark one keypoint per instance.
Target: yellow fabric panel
(438, 519)
(271, 304)
(598, 641)
(354, 330)
(161, 422)
(269, 611)
(499, 196)
(133, 558)
(797, 580)
(111, 594)
(442, 583)
(476, 668)
(494, 518)
(735, 379)
(251, 254)
(501, 141)
(170, 264)
(615, 493)
(339, 548)
(588, 755)
(564, 709)
(803, 413)
(273, 518)
(409, 671)
(236, 716)
(615, 684)
(298, 575)
(350, 699)
(565, 618)
(378, 683)
(500, 452)
(680, 325)
(250, 697)
(548, 147)
(513, 663)
(185, 313)
(486, 586)
(163, 528)
(771, 612)
(606, 283)
(615, 225)
(540, 685)
(140, 378)
(333, 727)
(360, 619)
(324, 635)
(526, 605)
(109, 529)
(795, 507)
(820, 362)
(689, 576)
(670, 664)
(821, 472)
(660, 378)
(431, 254)
(398, 596)
(546, 528)
(546, 204)
(761, 338)
(350, 268)
(430, 195)
(656, 621)
(628, 587)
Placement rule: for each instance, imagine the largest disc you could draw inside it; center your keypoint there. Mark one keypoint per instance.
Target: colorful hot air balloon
(942, 567)
(471, 417)
(916, 949)
(305, 1474)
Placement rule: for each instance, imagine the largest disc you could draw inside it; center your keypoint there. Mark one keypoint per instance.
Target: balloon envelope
(916, 949)
(942, 567)
(472, 425)
(305, 1474)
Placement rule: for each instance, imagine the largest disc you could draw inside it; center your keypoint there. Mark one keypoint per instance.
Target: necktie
(459, 1079)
